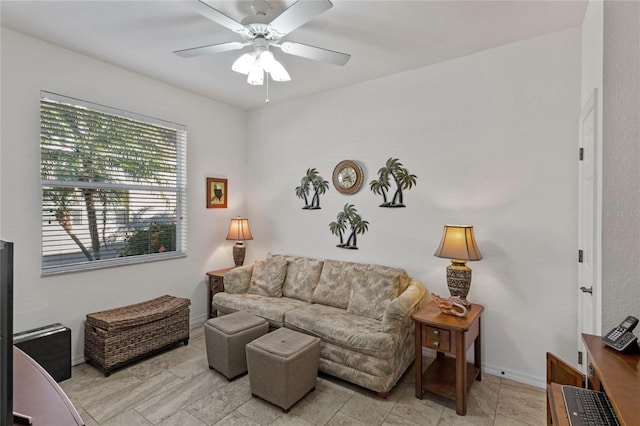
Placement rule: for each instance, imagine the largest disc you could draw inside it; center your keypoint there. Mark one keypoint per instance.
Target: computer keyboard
(586, 407)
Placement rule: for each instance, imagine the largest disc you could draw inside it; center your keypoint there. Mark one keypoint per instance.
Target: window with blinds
(113, 186)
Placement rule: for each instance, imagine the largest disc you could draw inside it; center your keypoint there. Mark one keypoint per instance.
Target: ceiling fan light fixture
(278, 73)
(273, 67)
(256, 75)
(244, 63)
(262, 31)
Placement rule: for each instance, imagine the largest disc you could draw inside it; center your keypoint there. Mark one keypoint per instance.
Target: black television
(6, 333)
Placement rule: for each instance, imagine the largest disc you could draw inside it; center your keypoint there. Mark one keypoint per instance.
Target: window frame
(180, 190)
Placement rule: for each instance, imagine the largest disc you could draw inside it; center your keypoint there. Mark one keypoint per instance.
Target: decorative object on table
(458, 244)
(348, 218)
(348, 177)
(312, 180)
(239, 231)
(393, 170)
(217, 193)
(451, 306)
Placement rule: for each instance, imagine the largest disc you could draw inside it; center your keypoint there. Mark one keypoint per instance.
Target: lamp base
(239, 251)
(459, 280)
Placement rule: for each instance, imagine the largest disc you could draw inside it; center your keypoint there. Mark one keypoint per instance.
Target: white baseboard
(515, 375)
(503, 372)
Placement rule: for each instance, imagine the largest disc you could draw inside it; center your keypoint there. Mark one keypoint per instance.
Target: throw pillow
(302, 278)
(268, 277)
(374, 290)
(334, 286)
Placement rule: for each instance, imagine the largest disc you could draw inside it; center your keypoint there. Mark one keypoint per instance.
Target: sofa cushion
(302, 278)
(337, 326)
(372, 292)
(237, 280)
(268, 277)
(336, 278)
(273, 309)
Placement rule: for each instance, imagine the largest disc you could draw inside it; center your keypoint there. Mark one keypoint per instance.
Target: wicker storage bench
(123, 335)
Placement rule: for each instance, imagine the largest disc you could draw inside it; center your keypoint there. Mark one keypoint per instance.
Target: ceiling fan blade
(298, 14)
(315, 53)
(212, 48)
(216, 16)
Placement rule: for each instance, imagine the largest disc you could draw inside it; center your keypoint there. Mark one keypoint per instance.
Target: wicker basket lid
(139, 313)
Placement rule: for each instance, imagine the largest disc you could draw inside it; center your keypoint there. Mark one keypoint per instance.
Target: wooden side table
(216, 285)
(449, 375)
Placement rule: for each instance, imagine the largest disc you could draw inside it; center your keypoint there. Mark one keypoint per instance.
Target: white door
(588, 291)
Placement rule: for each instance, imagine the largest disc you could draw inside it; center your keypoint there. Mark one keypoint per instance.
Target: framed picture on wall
(217, 193)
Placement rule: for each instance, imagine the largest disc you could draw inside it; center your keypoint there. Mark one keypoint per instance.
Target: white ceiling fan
(261, 31)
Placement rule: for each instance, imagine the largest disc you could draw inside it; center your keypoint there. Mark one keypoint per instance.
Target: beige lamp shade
(458, 242)
(239, 231)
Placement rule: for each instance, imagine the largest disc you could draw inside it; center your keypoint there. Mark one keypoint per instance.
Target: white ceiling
(383, 37)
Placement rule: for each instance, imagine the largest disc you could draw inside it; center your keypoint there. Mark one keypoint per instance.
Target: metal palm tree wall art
(393, 171)
(348, 219)
(312, 180)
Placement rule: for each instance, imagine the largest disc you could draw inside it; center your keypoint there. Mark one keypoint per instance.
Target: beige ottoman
(226, 338)
(283, 366)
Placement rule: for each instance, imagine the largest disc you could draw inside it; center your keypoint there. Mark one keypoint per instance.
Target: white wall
(621, 163)
(592, 46)
(216, 146)
(492, 138)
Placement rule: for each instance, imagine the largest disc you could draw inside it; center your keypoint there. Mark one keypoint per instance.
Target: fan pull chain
(267, 100)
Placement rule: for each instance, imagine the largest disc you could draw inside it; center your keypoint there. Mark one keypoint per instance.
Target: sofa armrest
(402, 307)
(237, 280)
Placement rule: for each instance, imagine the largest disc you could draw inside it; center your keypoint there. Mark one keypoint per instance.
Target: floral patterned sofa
(361, 312)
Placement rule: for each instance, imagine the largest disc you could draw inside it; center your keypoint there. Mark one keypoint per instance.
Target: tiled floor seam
(495, 408)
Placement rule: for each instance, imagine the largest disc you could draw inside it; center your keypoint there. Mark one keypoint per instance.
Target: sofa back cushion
(335, 283)
(302, 278)
(237, 280)
(372, 292)
(267, 277)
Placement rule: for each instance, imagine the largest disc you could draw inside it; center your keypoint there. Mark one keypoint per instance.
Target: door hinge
(580, 256)
(579, 357)
(581, 154)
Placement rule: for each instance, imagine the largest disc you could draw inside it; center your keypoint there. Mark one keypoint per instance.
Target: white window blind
(113, 186)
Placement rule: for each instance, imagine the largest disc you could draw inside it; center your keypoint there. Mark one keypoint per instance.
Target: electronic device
(49, 346)
(22, 419)
(620, 338)
(6, 333)
(588, 407)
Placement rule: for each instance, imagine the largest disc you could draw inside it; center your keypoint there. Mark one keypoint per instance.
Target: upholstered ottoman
(226, 338)
(283, 366)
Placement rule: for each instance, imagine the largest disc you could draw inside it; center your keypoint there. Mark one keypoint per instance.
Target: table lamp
(458, 244)
(239, 231)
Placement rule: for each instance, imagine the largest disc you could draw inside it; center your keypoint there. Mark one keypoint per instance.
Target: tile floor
(178, 388)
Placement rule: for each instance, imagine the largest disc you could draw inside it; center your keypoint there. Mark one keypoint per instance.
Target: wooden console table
(449, 374)
(615, 373)
(216, 285)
